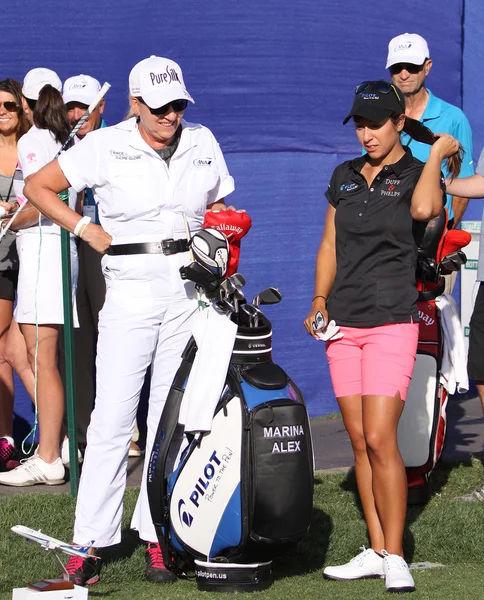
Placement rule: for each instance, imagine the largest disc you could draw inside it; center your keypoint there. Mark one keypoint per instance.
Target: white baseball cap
(36, 79)
(158, 81)
(81, 88)
(407, 48)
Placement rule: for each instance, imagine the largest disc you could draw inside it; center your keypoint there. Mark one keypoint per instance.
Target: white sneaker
(34, 470)
(366, 565)
(65, 453)
(397, 575)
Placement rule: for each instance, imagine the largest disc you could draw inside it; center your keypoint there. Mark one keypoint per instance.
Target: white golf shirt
(140, 198)
(35, 149)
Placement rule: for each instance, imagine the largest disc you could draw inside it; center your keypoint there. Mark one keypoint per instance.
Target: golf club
(270, 295)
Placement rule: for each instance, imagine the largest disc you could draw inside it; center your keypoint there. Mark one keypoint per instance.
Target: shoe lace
(395, 562)
(359, 558)
(155, 556)
(74, 564)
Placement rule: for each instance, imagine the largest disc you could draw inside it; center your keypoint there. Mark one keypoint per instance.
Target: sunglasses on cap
(176, 105)
(10, 106)
(410, 67)
(379, 86)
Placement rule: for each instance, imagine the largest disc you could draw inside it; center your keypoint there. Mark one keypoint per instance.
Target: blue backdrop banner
(273, 80)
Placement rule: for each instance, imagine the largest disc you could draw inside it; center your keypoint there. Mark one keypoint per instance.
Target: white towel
(453, 374)
(214, 334)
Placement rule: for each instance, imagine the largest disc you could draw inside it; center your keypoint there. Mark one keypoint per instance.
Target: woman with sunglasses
(13, 124)
(39, 314)
(153, 176)
(365, 282)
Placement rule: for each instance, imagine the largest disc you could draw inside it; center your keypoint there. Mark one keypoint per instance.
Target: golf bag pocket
(280, 457)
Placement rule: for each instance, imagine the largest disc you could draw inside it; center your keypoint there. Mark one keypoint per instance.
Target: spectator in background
(78, 94)
(473, 187)
(409, 64)
(39, 311)
(13, 124)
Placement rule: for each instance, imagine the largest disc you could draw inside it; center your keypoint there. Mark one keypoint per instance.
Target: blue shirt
(88, 195)
(441, 117)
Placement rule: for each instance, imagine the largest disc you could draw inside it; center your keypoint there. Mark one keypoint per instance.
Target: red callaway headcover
(454, 240)
(234, 225)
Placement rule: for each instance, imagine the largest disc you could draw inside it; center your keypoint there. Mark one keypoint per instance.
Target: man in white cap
(34, 81)
(153, 176)
(78, 93)
(409, 64)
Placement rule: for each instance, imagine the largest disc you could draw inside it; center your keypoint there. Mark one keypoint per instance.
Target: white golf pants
(135, 330)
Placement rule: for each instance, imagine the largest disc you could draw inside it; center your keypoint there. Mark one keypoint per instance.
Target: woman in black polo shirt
(365, 281)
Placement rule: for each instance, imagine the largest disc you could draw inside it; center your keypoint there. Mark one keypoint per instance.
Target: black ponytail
(416, 130)
(50, 113)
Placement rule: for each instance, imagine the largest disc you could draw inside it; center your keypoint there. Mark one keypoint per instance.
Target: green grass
(441, 532)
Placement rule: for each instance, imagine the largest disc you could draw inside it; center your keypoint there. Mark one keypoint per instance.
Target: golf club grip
(85, 116)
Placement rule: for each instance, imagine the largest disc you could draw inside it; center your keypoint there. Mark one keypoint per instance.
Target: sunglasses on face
(176, 105)
(31, 103)
(379, 86)
(10, 106)
(409, 67)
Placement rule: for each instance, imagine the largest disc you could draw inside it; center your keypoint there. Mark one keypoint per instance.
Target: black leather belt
(164, 247)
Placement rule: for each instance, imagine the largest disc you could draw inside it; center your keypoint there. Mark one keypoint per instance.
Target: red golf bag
(422, 427)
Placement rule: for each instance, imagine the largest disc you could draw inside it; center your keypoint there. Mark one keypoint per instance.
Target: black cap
(376, 101)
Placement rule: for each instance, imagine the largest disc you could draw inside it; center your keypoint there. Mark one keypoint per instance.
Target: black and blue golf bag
(242, 492)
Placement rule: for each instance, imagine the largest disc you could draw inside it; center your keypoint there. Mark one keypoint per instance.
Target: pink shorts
(374, 361)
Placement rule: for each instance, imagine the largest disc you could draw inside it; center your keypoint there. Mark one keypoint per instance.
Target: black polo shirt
(376, 244)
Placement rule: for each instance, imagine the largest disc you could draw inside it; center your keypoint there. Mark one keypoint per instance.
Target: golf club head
(201, 277)
(270, 295)
(238, 279)
(239, 296)
(452, 262)
(427, 269)
(228, 286)
(249, 313)
(226, 305)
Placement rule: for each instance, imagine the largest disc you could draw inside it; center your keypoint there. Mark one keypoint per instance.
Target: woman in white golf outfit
(146, 174)
(39, 296)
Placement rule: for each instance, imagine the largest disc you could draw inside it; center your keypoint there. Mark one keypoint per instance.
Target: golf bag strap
(156, 481)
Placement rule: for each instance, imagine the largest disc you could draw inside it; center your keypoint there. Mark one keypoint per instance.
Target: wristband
(319, 297)
(81, 225)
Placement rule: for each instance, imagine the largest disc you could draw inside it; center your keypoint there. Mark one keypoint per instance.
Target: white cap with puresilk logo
(407, 48)
(36, 79)
(81, 88)
(158, 81)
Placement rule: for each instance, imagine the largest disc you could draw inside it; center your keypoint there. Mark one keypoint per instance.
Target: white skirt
(39, 292)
